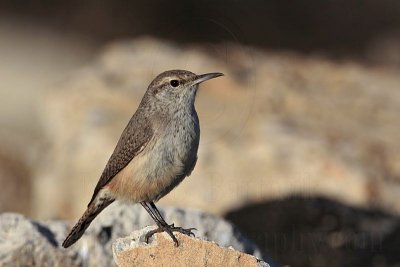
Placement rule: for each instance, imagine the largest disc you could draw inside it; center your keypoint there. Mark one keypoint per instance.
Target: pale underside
(141, 179)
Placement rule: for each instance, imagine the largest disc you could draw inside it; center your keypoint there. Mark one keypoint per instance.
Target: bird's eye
(174, 83)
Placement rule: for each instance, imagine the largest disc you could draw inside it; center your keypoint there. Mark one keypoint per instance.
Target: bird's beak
(207, 76)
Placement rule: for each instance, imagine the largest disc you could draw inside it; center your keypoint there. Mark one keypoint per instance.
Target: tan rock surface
(133, 251)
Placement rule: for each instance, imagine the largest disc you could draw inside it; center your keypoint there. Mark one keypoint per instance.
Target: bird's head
(175, 87)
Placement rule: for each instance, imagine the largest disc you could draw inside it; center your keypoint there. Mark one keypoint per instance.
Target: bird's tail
(91, 212)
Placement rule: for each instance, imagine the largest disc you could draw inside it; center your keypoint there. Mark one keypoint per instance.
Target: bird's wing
(133, 140)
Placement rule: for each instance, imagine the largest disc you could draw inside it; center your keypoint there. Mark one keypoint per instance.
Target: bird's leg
(151, 213)
(162, 225)
(171, 227)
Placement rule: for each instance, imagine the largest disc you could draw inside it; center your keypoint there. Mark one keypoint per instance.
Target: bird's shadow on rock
(316, 231)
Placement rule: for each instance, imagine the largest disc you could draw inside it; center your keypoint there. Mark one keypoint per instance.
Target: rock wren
(155, 152)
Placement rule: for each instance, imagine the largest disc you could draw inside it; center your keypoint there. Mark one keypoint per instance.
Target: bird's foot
(170, 229)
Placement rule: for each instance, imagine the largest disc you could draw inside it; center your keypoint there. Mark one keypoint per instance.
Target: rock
(38, 243)
(119, 220)
(134, 251)
(29, 243)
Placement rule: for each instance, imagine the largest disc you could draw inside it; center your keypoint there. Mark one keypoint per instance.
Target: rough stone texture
(134, 251)
(30, 243)
(275, 125)
(119, 220)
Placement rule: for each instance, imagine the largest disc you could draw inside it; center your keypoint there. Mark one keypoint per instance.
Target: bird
(155, 152)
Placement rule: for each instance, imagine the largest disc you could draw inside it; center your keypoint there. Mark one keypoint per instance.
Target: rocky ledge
(134, 251)
(25, 242)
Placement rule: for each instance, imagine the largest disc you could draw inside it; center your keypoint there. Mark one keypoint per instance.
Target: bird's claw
(169, 229)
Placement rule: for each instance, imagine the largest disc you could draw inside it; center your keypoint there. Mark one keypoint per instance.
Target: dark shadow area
(337, 28)
(316, 231)
(105, 234)
(47, 233)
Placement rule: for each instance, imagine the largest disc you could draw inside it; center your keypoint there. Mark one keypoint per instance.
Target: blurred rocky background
(300, 140)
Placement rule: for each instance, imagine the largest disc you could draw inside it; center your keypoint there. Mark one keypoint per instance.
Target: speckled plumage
(155, 152)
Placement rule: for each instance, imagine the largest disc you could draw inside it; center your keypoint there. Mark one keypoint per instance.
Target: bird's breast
(181, 138)
(170, 156)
